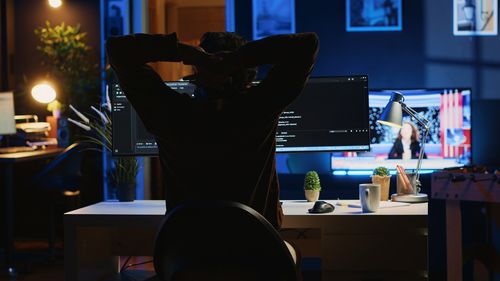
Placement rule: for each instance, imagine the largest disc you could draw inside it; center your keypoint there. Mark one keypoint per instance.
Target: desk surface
(97, 234)
(29, 155)
(290, 208)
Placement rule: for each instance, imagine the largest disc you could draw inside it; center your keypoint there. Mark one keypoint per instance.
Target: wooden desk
(7, 163)
(390, 244)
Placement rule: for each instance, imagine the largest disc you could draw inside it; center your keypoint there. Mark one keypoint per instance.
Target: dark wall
(30, 14)
(31, 218)
(425, 54)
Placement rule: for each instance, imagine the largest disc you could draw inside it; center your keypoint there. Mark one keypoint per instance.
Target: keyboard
(14, 149)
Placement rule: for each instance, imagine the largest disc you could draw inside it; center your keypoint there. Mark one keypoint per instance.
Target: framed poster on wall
(374, 15)
(272, 17)
(116, 17)
(475, 17)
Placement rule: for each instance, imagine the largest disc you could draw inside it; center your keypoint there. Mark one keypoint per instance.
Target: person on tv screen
(221, 143)
(407, 143)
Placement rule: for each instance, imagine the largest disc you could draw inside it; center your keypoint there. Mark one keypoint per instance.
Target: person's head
(217, 83)
(409, 131)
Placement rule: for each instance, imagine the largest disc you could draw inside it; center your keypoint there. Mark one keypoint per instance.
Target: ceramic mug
(369, 196)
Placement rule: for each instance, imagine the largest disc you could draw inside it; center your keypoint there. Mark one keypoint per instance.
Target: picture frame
(475, 17)
(374, 15)
(116, 19)
(272, 17)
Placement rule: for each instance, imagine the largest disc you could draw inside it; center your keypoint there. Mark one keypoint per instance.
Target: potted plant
(123, 170)
(382, 177)
(312, 186)
(69, 62)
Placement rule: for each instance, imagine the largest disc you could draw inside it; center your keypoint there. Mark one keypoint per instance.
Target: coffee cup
(369, 197)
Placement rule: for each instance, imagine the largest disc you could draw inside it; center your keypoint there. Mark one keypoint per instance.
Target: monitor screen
(130, 136)
(7, 120)
(447, 145)
(330, 115)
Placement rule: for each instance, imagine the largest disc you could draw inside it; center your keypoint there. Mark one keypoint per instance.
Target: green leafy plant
(311, 181)
(99, 131)
(69, 63)
(381, 171)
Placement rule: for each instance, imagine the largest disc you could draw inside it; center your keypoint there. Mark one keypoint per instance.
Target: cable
(134, 264)
(125, 263)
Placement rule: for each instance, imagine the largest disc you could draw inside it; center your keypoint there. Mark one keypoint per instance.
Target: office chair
(220, 240)
(61, 180)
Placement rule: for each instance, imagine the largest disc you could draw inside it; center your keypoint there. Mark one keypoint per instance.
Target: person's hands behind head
(227, 62)
(195, 55)
(213, 71)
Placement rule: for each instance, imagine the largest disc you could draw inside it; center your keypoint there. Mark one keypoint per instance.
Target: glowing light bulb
(43, 93)
(55, 3)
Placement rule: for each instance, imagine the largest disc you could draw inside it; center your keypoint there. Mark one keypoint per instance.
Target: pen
(406, 181)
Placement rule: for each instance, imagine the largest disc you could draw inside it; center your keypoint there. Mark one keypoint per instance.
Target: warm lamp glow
(55, 3)
(389, 124)
(43, 93)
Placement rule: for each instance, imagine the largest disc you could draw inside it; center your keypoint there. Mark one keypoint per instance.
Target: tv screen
(447, 145)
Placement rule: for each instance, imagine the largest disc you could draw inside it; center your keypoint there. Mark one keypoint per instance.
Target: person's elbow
(311, 41)
(310, 44)
(114, 48)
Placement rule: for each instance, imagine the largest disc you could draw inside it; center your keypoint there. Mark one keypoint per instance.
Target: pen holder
(403, 188)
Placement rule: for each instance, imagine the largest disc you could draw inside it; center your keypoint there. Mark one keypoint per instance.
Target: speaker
(62, 132)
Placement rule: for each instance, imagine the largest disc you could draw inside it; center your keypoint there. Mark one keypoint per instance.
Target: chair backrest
(220, 241)
(64, 172)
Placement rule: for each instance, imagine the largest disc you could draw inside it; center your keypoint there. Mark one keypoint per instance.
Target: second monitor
(330, 115)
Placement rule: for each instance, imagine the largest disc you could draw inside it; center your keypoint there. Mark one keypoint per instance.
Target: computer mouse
(321, 207)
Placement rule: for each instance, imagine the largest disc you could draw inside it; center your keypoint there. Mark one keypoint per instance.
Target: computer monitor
(7, 121)
(448, 144)
(130, 136)
(330, 115)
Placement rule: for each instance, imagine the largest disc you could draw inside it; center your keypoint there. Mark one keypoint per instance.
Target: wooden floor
(34, 264)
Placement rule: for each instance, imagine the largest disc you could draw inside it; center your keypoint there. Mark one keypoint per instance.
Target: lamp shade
(43, 93)
(55, 3)
(393, 112)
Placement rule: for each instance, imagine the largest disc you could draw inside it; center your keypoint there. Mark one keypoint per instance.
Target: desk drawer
(374, 252)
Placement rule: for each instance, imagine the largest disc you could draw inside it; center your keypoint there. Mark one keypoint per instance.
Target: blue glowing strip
(103, 94)
(230, 22)
(322, 148)
(139, 17)
(339, 173)
(359, 173)
(369, 172)
(139, 24)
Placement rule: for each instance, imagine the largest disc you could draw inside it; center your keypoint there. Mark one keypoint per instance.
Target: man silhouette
(220, 144)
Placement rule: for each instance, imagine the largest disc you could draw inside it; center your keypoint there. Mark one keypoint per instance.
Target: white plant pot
(311, 195)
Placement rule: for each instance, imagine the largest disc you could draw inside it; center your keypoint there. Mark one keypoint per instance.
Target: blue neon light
(339, 173)
(369, 172)
(230, 21)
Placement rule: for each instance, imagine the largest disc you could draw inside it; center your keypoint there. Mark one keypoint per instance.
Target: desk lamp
(45, 93)
(393, 116)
